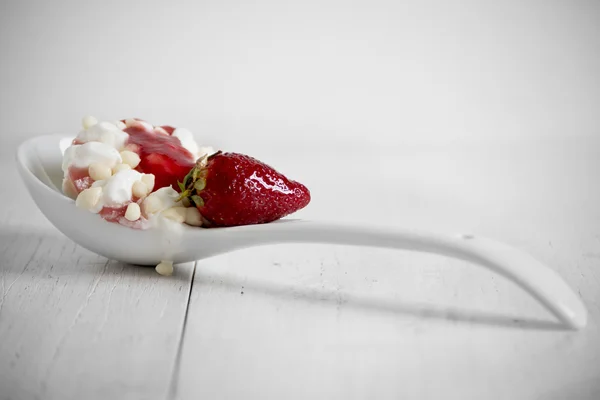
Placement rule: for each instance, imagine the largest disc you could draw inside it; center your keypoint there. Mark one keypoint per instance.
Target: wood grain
(326, 322)
(75, 325)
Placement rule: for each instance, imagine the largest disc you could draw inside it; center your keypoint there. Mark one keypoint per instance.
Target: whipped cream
(83, 155)
(117, 190)
(187, 142)
(160, 200)
(105, 132)
(101, 148)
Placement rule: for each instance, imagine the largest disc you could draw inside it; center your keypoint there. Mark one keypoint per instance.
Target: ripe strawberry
(234, 189)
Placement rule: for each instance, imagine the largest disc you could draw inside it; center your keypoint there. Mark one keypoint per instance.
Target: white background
(252, 75)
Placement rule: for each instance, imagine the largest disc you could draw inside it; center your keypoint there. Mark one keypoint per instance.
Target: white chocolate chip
(120, 167)
(161, 131)
(88, 199)
(133, 212)
(140, 189)
(120, 125)
(99, 171)
(130, 158)
(176, 214)
(132, 147)
(152, 205)
(165, 268)
(149, 180)
(193, 217)
(147, 126)
(139, 124)
(88, 121)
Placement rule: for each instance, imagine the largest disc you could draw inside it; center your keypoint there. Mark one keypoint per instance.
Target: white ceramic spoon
(39, 161)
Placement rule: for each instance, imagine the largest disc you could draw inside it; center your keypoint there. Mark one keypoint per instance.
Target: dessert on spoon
(132, 173)
(149, 195)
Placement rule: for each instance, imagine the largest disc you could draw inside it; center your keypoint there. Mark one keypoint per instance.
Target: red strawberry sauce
(80, 178)
(113, 214)
(162, 155)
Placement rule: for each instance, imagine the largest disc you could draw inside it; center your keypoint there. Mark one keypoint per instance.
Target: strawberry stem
(213, 155)
(195, 180)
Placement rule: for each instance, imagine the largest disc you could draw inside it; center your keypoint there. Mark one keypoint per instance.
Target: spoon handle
(539, 280)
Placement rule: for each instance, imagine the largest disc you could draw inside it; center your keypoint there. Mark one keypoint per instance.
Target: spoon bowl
(39, 162)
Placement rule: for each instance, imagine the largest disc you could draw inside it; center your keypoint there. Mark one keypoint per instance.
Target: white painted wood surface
(324, 322)
(74, 325)
(374, 93)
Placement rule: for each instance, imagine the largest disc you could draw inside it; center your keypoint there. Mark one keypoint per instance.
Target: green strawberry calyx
(195, 181)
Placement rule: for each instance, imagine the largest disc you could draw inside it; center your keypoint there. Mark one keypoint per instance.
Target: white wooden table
(322, 322)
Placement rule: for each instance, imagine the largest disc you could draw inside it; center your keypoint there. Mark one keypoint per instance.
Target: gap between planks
(172, 391)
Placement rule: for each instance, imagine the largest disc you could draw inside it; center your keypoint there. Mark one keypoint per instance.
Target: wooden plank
(75, 325)
(326, 322)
